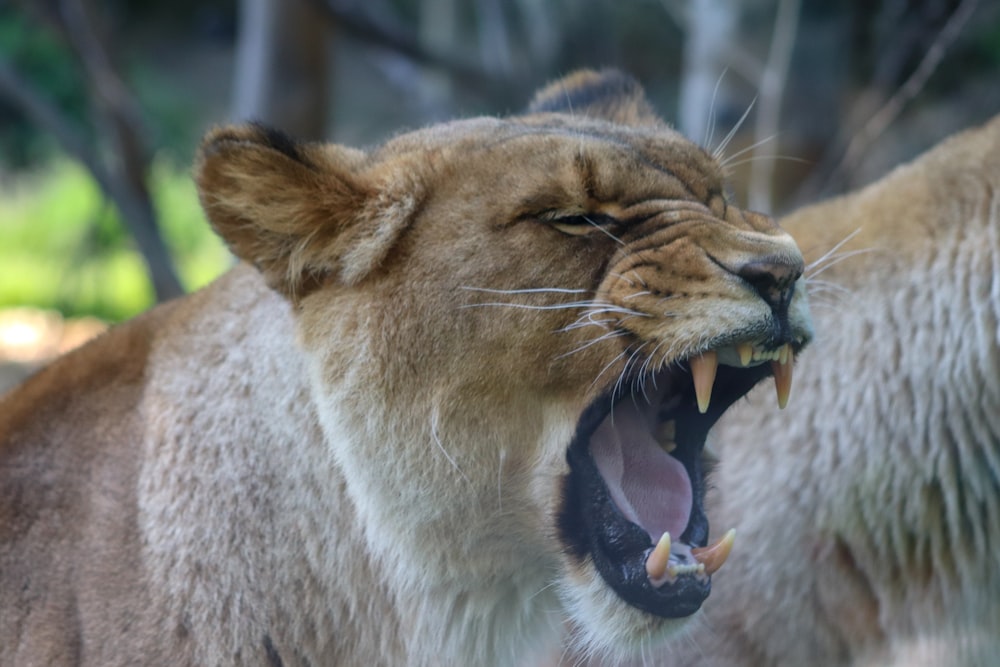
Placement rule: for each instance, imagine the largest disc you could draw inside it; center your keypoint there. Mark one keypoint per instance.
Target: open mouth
(633, 499)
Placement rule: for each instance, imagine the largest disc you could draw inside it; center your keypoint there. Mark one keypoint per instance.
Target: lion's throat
(649, 486)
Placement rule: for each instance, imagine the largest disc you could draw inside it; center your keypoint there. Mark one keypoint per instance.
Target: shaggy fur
(869, 511)
(350, 449)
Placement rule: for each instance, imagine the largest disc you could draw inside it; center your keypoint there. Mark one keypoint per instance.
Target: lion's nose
(773, 278)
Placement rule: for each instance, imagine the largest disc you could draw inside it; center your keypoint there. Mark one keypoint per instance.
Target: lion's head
(519, 332)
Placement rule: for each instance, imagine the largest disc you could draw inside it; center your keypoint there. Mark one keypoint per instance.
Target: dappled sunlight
(31, 337)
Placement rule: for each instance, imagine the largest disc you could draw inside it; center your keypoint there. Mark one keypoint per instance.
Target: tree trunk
(710, 28)
(118, 121)
(282, 68)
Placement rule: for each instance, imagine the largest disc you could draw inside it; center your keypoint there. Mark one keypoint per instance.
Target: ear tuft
(252, 134)
(280, 142)
(607, 94)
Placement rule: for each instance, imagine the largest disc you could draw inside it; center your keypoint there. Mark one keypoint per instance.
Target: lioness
(871, 507)
(455, 397)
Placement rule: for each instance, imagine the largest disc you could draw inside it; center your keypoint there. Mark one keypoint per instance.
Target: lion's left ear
(301, 213)
(608, 94)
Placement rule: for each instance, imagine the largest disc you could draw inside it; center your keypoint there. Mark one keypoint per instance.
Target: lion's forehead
(534, 154)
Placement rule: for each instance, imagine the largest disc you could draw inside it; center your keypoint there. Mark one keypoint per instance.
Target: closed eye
(582, 224)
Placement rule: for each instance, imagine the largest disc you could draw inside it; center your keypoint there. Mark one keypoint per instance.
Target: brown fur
(363, 464)
(869, 511)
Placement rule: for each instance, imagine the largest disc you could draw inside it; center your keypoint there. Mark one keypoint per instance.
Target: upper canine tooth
(703, 368)
(783, 379)
(745, 350)
(714, 555)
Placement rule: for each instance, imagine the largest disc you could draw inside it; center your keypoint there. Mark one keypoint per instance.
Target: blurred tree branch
(122, 174)
(890, 110)
(281, 66)
(849, 148)
(374, 23)
(34, 105)
(709, 27)
(772, 91)
(710, 49)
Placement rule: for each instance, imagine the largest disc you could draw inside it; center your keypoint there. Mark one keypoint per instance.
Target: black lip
(590, 522)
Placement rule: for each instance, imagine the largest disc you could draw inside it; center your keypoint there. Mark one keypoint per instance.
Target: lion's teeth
(714, 555)
(676, 569)
(659, 558)
(745, 350)
(666, 435)
(783, 377)
(703, 368)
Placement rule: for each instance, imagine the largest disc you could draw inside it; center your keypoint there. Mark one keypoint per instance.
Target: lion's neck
(459, 586)
(272, 516)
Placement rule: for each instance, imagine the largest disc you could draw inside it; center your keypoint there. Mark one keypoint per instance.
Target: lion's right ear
(608, 94)
(302, 213)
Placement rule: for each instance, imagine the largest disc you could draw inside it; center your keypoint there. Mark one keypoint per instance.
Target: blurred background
(102, 103)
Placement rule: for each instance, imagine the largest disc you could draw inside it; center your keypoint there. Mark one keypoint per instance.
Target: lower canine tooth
(659, 558)
(714, 555)
(703, 368)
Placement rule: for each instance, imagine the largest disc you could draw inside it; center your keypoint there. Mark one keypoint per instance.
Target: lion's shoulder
(909, 210)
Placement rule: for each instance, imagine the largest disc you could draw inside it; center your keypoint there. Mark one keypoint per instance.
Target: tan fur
(869, 511)
(363, 465)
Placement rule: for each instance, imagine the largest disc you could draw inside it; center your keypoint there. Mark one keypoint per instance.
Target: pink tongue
(650, 487)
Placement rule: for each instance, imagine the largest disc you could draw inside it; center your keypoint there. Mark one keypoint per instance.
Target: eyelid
(561, 219)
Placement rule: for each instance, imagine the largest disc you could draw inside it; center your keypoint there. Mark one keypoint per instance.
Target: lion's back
(69, 451)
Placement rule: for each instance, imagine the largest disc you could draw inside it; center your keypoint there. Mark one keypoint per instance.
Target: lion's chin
(606, 629)
(633, 501)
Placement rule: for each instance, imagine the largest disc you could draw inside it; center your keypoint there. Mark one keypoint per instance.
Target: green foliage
(63, 246)
(39, 56)
(43, 59)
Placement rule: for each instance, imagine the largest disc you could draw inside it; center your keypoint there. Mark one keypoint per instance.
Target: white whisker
(837, 259)
(588, 317)
(527, 306)
(821, 286)
(609, 234)
(594, 307)
(590, 322)
(833, 250)
(503, 460)
(541, 590)
(437, 441)
(607, 366)
(621, 277)
(730, 158)
(721, 148)
(608, 336)
(710, 130)
(616, 309)
(625, 369)
(528, 290)
(786, 158)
